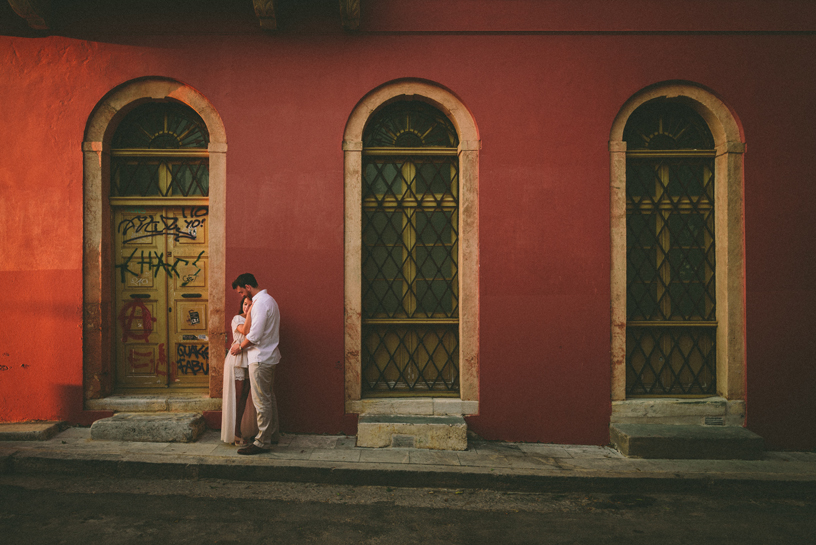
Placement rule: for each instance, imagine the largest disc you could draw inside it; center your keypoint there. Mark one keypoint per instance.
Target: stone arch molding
(409, 89)
(97, 274)
(723, 124)
(469, 146)
(105, 117)
(730, 250)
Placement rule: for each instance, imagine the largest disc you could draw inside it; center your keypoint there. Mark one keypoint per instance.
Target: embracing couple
(253, 356)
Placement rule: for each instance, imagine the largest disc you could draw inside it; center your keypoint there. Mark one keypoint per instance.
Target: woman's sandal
(239, 442)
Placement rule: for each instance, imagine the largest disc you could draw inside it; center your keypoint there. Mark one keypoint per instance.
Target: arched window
(411, 174)
(410, 209)
(670, 252)
(677, 247)
(160, 150)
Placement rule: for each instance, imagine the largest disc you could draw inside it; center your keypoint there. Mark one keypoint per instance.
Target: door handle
(190, 295)
(140, 296)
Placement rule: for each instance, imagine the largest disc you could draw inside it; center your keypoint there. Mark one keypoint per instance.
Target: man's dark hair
(243, 280)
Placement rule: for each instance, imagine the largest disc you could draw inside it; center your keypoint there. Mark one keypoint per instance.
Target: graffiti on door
(136, 321)
(155, 262)
(149, 225)
(143, 361)
(193, 359)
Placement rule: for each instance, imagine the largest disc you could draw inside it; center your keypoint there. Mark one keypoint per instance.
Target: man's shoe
(251, 449)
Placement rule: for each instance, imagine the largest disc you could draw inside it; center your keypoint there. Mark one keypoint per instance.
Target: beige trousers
(261, 382)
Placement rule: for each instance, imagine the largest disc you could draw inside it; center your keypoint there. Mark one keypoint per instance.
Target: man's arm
(256, 323)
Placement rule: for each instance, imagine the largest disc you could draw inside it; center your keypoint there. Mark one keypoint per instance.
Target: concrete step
(159, 427)
(30, 431)
(412, 431)
(664, 441)
(139, 403)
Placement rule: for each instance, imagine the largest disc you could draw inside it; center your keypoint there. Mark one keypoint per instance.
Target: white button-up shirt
(264, 333)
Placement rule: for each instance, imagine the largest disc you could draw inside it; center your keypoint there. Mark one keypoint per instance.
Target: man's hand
(235, 349)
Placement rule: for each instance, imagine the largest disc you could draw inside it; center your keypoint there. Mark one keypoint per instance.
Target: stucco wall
(544, 103)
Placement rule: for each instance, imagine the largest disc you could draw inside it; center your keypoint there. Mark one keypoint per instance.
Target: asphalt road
(62, 509)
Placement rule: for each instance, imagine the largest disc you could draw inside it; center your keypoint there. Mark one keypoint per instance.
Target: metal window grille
(410, 298)
(671, 303)
(156, 177)
(160, 150)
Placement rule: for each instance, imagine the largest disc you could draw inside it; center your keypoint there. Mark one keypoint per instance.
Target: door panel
(187, 290)
(161, 297)
(141, 300)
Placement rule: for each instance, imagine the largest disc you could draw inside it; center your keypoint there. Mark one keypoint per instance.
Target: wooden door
(161, 270)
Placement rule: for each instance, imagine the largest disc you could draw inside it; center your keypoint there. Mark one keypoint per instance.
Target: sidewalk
(336, 460)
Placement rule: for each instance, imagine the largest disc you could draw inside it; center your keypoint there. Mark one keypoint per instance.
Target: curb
(20, 462)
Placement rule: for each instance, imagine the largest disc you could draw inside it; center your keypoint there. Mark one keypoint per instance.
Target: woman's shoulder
(238, 320)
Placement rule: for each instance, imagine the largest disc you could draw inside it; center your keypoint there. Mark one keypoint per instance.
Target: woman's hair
(241, 305)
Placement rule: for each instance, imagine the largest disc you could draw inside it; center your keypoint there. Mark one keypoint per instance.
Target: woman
(238, 420)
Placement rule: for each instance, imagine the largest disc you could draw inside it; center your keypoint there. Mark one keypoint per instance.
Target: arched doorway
(153, 270)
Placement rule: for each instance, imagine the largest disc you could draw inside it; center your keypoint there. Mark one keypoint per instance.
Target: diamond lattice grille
(148, 177)
(670, 239)
(410, 220)
(411, 358)
(671, 291)
(409, 273)
(410, 238)
(670, 361)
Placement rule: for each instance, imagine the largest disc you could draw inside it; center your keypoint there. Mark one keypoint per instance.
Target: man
(261, 345)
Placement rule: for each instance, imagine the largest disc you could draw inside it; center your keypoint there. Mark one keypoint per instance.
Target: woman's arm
(243, 330)
(248, 323)
(237, 325)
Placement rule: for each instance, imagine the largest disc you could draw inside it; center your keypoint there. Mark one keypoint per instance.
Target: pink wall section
(544, 104)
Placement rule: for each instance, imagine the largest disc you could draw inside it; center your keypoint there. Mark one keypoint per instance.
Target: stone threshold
(706, 411)
(426, 406)
(144, 403)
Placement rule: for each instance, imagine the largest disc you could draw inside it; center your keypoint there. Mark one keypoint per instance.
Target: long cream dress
(249, 422)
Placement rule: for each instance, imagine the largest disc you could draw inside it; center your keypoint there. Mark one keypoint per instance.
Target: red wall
(544, 101)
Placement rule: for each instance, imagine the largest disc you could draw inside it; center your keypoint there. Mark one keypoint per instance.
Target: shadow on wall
(62, 402)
